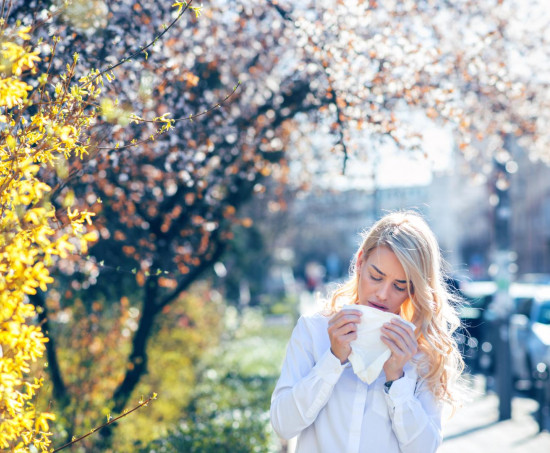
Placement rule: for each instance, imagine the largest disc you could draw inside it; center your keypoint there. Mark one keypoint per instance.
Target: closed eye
(376, 279)
(399, 288)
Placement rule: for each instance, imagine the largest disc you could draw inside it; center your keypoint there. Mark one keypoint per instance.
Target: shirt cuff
(329, 368)
(401, 390)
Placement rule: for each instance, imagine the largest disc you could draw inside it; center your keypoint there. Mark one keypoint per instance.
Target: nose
(383, 291)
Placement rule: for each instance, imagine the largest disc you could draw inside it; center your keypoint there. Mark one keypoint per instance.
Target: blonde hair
(430, 305)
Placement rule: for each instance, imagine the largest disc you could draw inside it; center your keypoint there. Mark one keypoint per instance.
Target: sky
(383, 165)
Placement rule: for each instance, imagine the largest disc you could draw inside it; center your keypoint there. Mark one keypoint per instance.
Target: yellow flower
(13, 92)
(23, 33)
(42, 421)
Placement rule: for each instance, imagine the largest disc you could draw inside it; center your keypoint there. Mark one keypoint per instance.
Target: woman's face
(382, 281)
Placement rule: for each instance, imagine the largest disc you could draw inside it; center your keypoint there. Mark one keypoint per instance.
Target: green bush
(232, 432)
(228, 410)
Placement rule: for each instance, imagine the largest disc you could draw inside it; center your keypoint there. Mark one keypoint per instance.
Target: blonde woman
(319, 398)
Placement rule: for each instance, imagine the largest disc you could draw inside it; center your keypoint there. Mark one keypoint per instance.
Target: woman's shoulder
(315, 320)
(312, 329)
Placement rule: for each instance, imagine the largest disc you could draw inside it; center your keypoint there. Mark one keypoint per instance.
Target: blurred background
(216, 236)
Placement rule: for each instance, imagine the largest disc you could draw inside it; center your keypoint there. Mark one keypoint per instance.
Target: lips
(377, 306)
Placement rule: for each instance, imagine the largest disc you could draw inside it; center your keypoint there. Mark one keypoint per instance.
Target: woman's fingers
(342, 330)
(400, 338)
(397, 346)
(344, 339)
(343, 323)
(397, 349)
(405, 332)
(344, 317)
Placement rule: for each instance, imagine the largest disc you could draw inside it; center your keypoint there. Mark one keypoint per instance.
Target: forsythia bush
(45, 121)
(41, 125)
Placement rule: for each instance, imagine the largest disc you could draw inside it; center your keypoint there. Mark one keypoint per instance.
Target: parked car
(538, 342)
(479, 341)
(530, 334)
(523, 295)
(474, 338)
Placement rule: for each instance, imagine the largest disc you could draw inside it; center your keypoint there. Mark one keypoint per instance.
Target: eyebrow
(382, 273)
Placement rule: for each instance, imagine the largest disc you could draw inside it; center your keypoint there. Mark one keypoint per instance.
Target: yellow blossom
(29, 238)
(13, 92)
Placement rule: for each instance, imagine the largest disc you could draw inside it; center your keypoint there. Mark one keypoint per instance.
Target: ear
(359, 260)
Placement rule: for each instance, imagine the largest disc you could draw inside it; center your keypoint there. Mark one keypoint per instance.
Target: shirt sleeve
(304, 386)
(415, 415)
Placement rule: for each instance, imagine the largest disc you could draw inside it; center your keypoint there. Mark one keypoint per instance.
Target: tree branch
(110, 422)
(193, 274)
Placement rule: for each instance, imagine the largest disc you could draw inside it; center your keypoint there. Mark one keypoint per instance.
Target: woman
(397, 269)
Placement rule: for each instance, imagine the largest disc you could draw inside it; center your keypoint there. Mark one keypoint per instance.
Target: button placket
(357, 414)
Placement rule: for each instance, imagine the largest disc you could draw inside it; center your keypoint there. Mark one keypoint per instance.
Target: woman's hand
(399, 337)
(342, 330)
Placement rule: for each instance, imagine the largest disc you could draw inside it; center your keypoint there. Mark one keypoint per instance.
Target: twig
(110, 422)
(143, 49)
(170, 121)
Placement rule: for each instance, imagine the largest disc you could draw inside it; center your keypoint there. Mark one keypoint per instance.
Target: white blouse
(331, 410)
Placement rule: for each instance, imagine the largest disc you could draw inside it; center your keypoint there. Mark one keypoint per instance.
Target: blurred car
(538, 341)
(522, 295)
(478, 338)
(530, 334)
(538, 355)
(474, 338)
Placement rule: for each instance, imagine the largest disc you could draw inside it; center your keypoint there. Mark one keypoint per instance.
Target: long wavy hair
(430, 305)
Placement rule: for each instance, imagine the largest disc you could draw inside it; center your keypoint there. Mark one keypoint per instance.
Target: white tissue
(368, 353)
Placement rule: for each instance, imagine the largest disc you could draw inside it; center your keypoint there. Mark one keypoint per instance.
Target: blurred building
(458, 206)
(462, 214)
(461, 217)
(325, 226)
(530, 226)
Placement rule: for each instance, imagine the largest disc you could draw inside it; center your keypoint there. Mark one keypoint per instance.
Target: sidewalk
(475, 429)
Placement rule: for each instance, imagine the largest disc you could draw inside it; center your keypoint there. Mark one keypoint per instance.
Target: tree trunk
(137, 362)
(59, 389)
